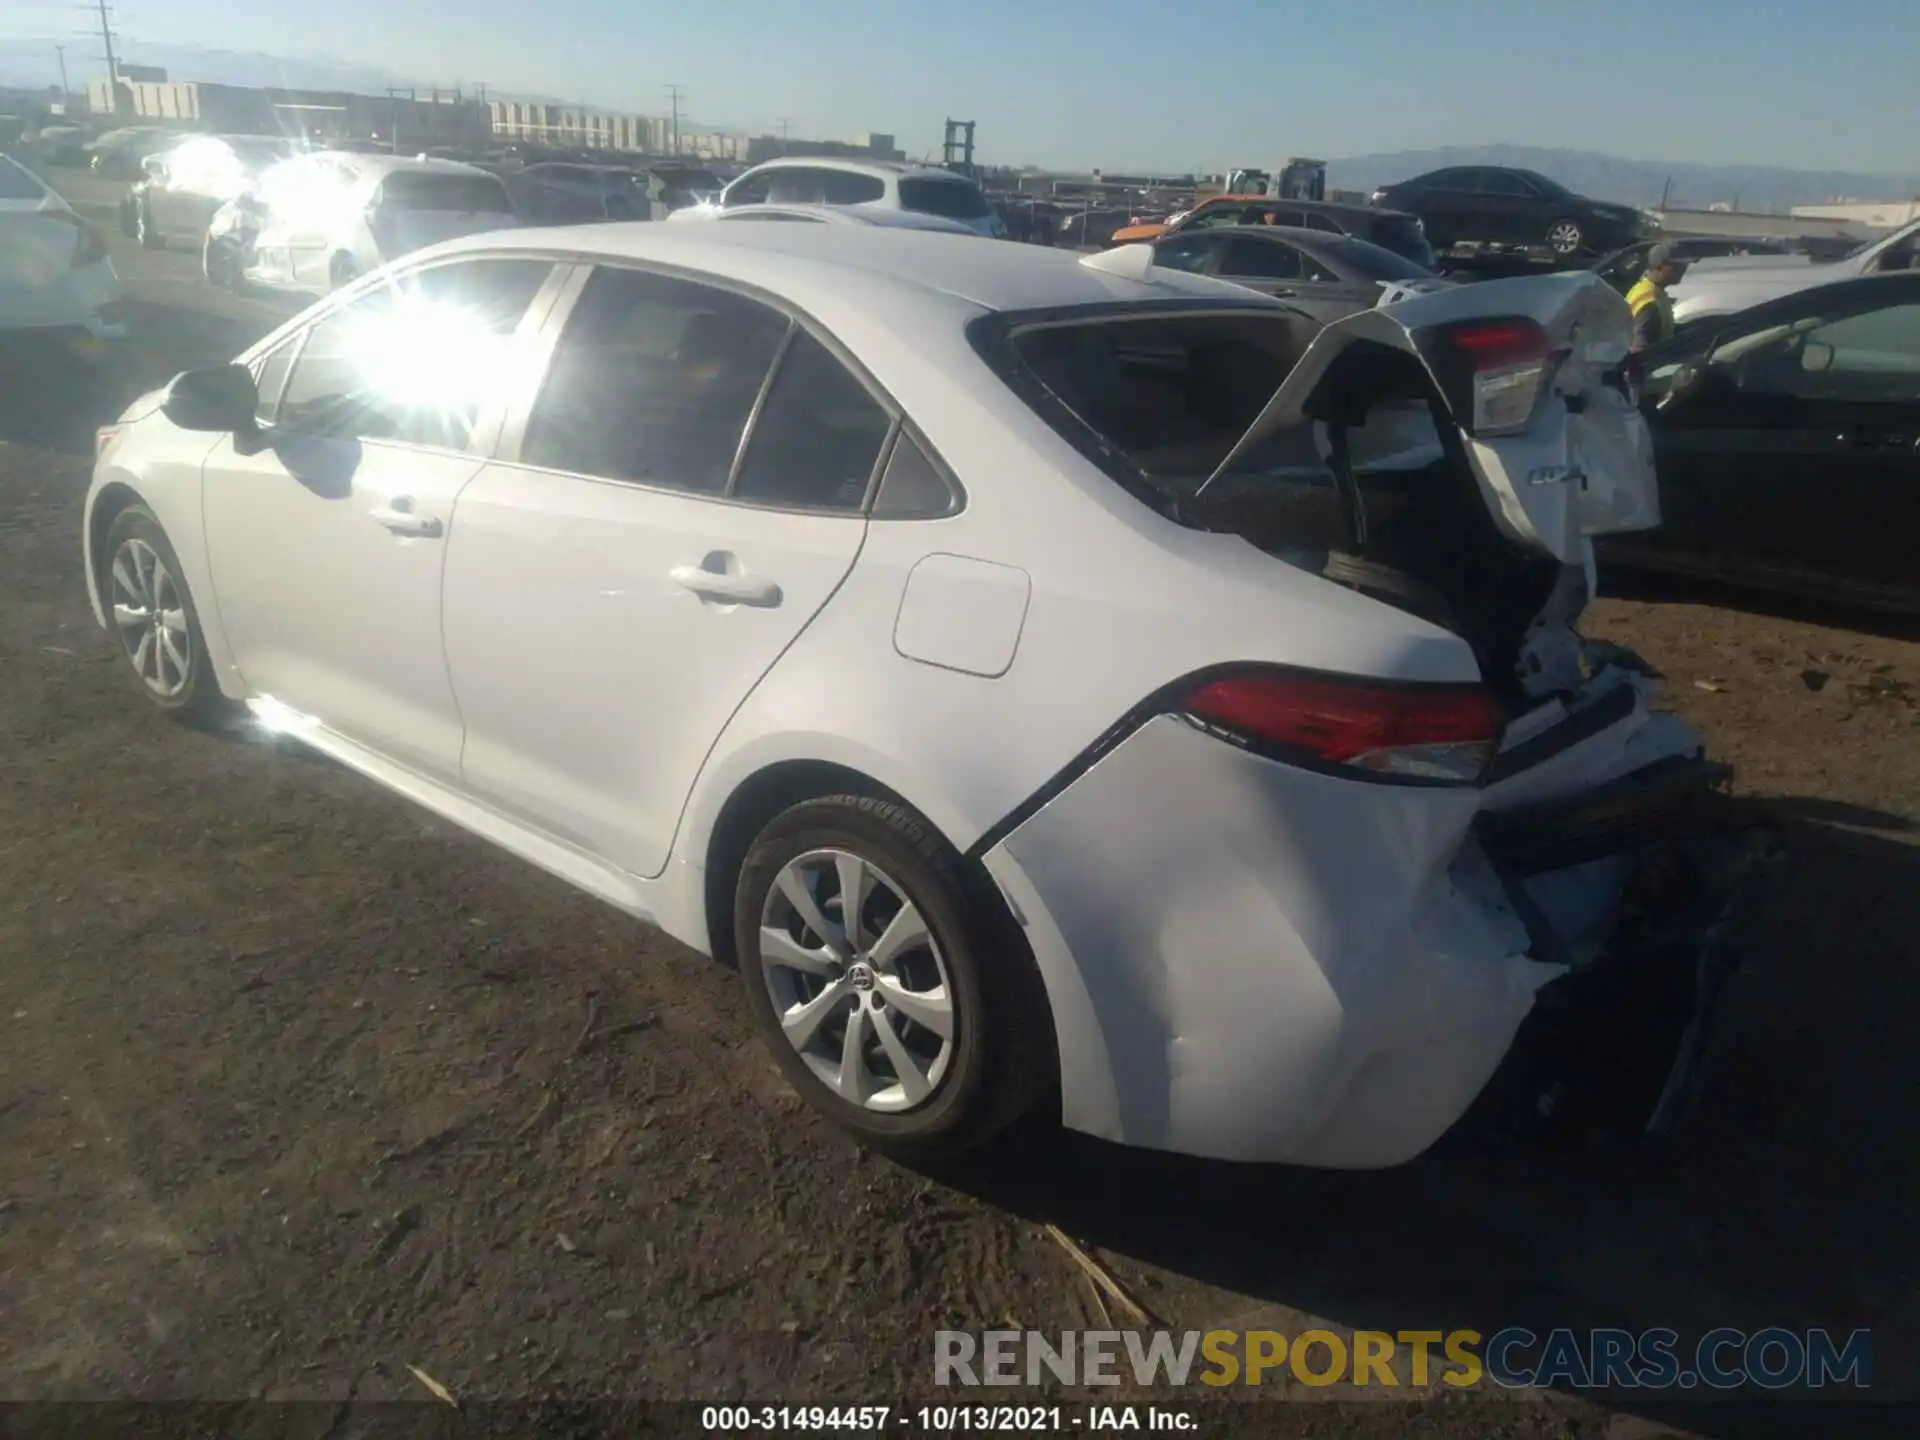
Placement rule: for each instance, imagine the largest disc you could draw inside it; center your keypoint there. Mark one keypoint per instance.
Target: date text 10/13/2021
(946, 1419)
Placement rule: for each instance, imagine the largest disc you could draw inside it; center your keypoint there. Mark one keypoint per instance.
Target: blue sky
(1205, 83)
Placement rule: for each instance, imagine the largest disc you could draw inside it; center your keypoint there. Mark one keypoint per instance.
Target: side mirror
(155, 167)
(220, 400)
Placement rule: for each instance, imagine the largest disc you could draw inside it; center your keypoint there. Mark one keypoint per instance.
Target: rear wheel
(1566, 239)
(342, 270)
(897, 998)
(153, 615)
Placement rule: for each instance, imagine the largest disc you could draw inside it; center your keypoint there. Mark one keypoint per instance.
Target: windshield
(425, 190)
(691, 179)
(1404, 236)
(1358, 260)
(17, 183)
(256, 154)
(956, 199)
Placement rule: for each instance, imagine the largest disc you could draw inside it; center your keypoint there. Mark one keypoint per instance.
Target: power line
(676, 94)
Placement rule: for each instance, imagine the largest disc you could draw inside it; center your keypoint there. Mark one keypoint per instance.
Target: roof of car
(1292, 234)
(847, 215)
(391, 164)
(1314, 207)
(904, 169)
(822, 265)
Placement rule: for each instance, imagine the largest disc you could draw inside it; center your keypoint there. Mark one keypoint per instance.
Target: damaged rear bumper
(1618, 1042)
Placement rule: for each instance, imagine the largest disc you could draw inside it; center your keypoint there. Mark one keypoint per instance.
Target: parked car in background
(725, 573)
(118, 154)
(1327, 276)
(1715, 288)
(921, 188)
(319, 221)
(1624, 267)
(1788, 442)
(1091, 227)
(1494, 205)
(61, 144)
(183, 186)
(56, 283)
(558, 193)
(825, 215)
(1390, 230)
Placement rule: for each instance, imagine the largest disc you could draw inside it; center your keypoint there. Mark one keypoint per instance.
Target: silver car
(1721, 287)
(1325, 275)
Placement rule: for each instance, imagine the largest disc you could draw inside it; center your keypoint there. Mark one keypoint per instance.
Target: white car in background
(1037, 674)
(883, 185)
(319, 221)
(1726, 285)
(827, 215)
(55, 278)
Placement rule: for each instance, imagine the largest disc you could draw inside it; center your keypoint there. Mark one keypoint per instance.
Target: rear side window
(1164, 396)
(17, 182)
(817, 437)
(416, 190)
(1358, 260)
(956, 199)
(844, 187)
(653, 382)
(1261, 260)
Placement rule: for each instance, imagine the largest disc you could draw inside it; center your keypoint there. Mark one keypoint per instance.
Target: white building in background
(578, 127)
(1881, 214)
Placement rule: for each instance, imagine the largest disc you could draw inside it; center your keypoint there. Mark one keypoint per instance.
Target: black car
(184, 184)
(1787, 440)
(1495, 205)
(1624, 267)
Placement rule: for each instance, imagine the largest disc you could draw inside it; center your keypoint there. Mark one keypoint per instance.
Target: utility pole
(113, 65)
(786, 127)
(65, 93)
(676, 94)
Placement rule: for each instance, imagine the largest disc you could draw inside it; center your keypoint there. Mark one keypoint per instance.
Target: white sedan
(55, 278)
(824, 215)
(1039, 675)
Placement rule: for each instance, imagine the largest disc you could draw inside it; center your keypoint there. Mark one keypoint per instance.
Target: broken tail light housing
(1494, 372)
(1434, 734)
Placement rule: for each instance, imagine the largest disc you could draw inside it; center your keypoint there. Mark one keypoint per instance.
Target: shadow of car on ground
(1790, 1200)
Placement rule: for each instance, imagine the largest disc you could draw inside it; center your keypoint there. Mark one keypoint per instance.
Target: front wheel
(153, 615)
(342, 271)
(897, 998)
(1566, 239)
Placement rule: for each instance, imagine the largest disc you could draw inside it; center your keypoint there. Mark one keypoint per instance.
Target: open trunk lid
(1532, 371)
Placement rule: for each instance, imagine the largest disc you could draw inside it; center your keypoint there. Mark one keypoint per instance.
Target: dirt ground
(300, 1087)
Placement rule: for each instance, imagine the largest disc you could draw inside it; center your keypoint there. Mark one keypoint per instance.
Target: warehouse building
(409, 119)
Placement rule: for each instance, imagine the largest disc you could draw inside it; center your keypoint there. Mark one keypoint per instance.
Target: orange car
(1393, 230)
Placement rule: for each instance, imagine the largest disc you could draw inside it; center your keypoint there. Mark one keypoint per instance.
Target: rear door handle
(400, 519)
(729, 589)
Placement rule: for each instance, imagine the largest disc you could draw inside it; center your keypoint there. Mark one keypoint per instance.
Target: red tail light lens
(1494, 371)
(1422, 732)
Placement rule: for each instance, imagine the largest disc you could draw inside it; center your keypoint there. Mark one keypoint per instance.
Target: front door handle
(398, 517)
(728, 589)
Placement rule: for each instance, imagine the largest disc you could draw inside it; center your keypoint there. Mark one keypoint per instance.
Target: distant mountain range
(1760, 188)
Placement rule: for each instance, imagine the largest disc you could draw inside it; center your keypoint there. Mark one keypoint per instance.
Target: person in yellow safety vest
(1652, 310)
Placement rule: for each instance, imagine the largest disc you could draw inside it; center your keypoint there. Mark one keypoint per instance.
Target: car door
(326, 534)
(1793, 457)
(639, 555)
(1503, 209)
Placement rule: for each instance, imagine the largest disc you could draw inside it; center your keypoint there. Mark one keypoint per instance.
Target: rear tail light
(1435, 733)
(1494, 371)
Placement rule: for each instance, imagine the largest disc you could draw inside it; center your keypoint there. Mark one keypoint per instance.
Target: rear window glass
(1165, 396)
(17, 184)
(1357, 260)
(956, 199)
(1402, 235)
(466, 194)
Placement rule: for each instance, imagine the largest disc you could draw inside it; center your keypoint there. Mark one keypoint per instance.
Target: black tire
(1566, 238)
(199, 698)
(145, 230)
(342, 271)
(1002, 1056)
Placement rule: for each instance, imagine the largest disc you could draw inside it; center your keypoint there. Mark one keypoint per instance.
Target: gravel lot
(293, 1090)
